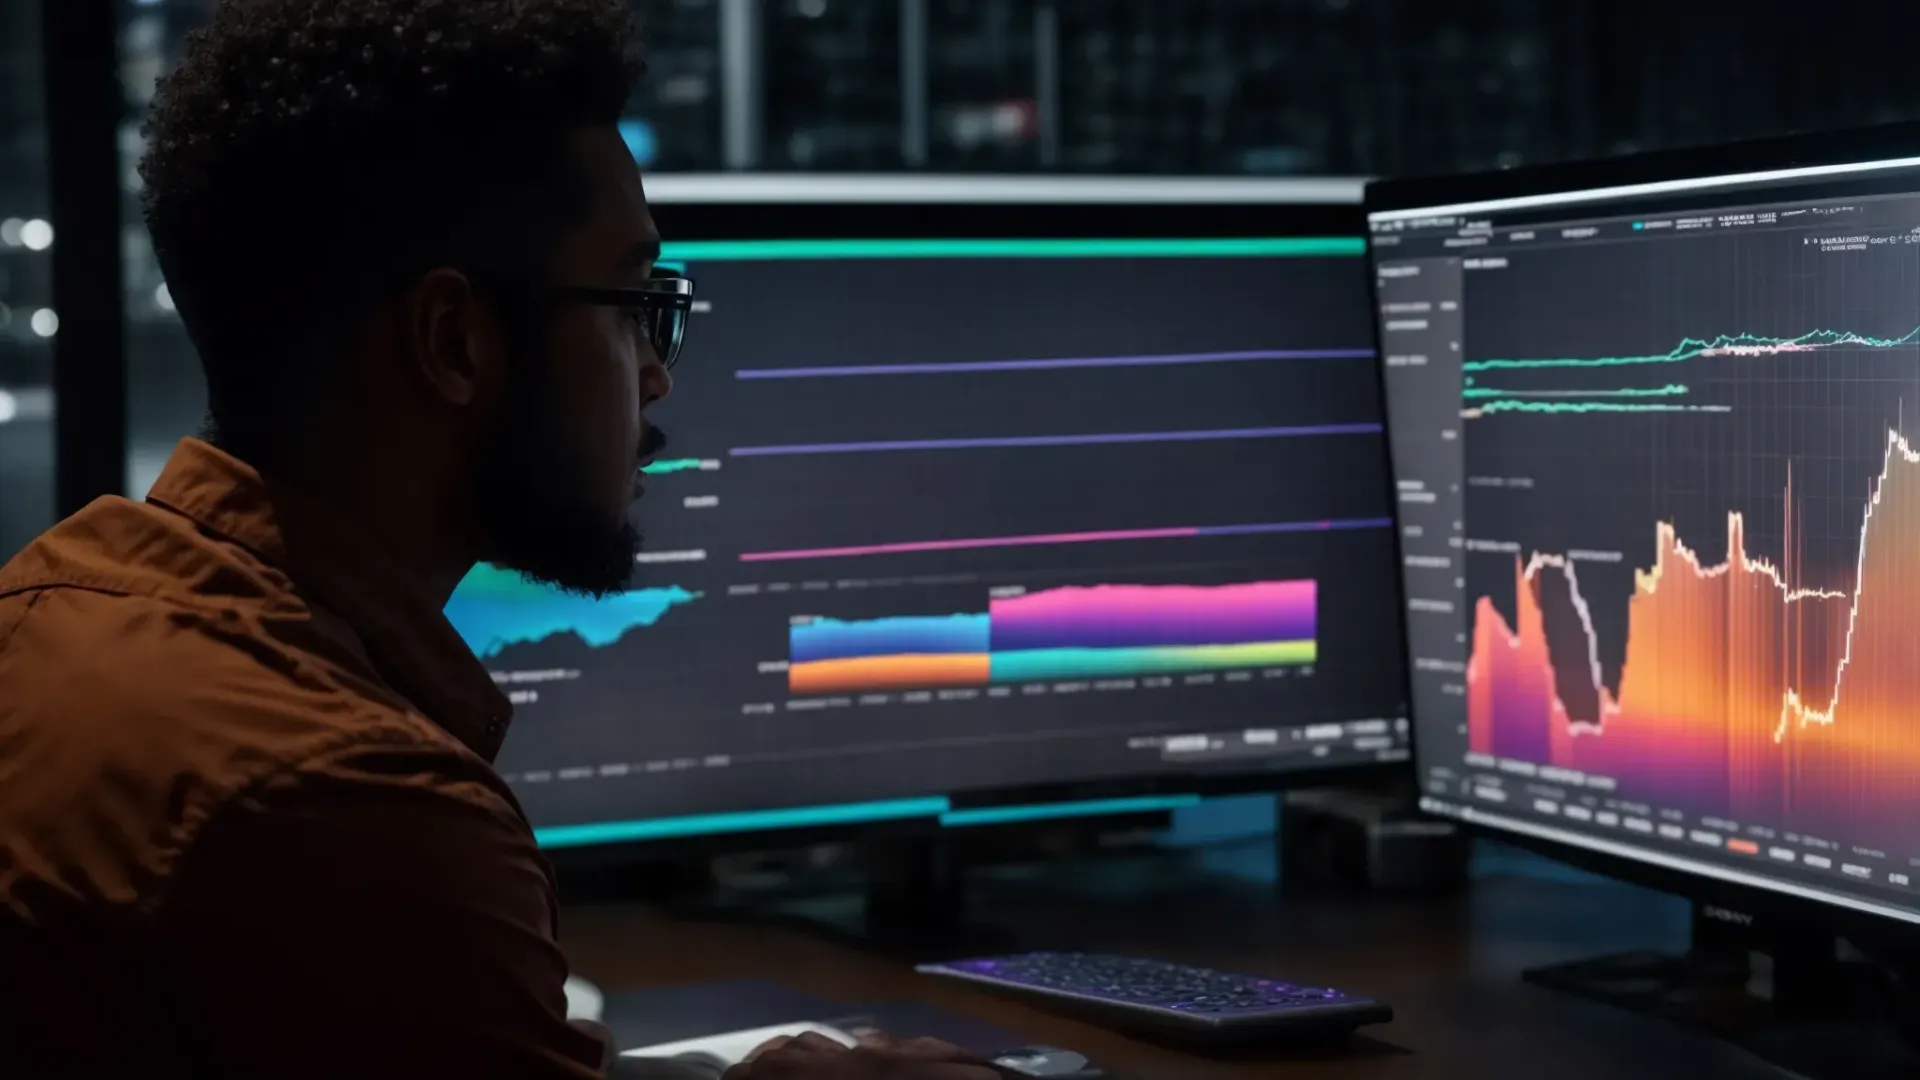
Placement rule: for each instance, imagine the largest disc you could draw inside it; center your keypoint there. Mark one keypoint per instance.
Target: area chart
(1742, 693)
(496, 609)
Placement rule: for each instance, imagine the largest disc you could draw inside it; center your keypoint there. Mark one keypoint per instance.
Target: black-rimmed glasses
(660, 308)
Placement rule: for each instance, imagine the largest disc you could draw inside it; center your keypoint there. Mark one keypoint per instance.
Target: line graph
(1742, 692)
(674, 465)
(1515, 405)
(1669, 390)
(1089, 439)
(1743, 344)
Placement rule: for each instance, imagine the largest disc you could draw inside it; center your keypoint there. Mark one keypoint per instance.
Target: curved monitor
(1656, 436)
(1073, 507)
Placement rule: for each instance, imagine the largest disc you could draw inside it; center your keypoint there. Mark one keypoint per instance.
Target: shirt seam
(107, 586)
(17, 623)
(204, 811)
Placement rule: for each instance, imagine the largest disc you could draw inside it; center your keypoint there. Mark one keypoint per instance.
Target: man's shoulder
(126, 611)
(126, 666)
(118, 546)
(133, 720)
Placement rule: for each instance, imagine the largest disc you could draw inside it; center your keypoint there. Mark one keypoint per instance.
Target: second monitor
(960, 512)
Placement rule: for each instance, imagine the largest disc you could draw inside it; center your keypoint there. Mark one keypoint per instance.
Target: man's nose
(656, 382)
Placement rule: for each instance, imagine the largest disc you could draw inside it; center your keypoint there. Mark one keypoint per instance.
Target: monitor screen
(940, 516)
(1657, 457)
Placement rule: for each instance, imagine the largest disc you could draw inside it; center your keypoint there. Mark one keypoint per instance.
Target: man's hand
(816, 1057)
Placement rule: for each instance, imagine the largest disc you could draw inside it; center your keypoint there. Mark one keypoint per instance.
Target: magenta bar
(1115, 616)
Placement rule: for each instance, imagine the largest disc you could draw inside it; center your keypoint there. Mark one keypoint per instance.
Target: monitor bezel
(1781, 909)
(923, 207)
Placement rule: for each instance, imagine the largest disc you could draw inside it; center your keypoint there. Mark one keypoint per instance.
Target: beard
(534, 506)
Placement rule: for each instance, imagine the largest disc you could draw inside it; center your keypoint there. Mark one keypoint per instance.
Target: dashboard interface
(1657, 460)
(949, 515)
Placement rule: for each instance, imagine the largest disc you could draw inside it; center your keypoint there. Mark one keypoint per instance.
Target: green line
(1031, 665)
(1669, 390)
(671, 465)
(614, 832)
(1079, 248)
(1692, 347)
(1003, 815)
(1510, 405)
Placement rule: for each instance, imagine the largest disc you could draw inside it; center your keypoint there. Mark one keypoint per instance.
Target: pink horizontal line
(974, 542)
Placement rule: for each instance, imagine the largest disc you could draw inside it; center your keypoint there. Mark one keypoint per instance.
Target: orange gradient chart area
(874, 674)
(1741, 694)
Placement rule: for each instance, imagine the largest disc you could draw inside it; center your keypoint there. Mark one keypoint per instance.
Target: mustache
(652, 441)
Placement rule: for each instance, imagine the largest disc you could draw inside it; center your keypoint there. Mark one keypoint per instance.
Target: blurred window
(28, 321)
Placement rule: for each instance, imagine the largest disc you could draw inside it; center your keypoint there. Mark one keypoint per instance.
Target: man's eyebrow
(641, 254)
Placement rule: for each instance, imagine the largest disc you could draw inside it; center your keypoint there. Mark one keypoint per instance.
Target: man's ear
(455, 342)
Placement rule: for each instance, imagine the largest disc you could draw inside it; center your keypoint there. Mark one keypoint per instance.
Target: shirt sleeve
(379, 912)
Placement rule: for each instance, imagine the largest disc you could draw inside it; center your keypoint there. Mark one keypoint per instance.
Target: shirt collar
(412, 646)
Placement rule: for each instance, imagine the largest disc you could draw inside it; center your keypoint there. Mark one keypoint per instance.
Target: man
(248, 821)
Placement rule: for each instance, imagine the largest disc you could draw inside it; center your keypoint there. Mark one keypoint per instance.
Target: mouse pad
(912, 1019)
(663, 1014)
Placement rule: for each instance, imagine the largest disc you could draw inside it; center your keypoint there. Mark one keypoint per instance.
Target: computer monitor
(1072, 501)
(1656, 440)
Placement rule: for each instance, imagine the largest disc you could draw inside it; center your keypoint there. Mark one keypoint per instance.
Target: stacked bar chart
(1103, 631)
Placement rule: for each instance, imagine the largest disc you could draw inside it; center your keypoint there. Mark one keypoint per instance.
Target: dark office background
(1244, 87)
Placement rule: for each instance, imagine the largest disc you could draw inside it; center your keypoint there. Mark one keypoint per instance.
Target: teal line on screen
(1669, 390)
(1006, 815)
(1509, 405)
(799, 817)
(690, 251)
(674, 465)
(1724, 345)
(494, 609)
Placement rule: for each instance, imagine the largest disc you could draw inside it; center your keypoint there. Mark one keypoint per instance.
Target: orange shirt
(249, 824)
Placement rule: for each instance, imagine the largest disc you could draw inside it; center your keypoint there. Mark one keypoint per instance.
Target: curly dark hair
(311, 158)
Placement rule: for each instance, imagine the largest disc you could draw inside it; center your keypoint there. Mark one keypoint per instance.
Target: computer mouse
(1048, 1061)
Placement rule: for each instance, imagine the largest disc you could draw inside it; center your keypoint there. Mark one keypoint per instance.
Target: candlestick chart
(1743, 692)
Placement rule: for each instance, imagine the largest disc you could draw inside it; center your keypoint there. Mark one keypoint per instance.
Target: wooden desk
(1450, 969)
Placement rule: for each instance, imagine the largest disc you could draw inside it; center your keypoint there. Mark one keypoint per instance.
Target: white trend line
(1647, 582)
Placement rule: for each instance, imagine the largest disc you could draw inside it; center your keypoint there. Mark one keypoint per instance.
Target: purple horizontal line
(1041, 365)
(1053, 440)
(1031, 539)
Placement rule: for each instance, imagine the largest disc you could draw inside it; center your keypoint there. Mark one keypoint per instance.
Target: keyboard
(1171, 1000)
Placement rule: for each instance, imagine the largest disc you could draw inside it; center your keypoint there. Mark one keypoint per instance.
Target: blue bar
(799, 817)
(837, 639)
(1004, 815)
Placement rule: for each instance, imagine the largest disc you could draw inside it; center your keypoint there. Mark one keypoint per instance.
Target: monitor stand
(916, 902)
(1790, 995)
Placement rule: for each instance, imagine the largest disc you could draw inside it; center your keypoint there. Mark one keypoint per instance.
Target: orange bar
(1744, 847)
(871, 674)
